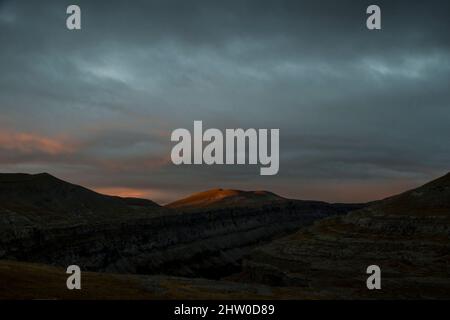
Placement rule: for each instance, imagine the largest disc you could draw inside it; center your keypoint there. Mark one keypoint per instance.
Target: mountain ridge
(44, 198)
(225, 197)
(432, 198)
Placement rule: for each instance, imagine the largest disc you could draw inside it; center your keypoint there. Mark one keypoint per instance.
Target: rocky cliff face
(407, 236)
(183, 244)
(204, 242)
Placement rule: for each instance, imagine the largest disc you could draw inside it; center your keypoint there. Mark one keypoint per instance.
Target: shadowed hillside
(43, 199)
(407, 235)
(430, 199)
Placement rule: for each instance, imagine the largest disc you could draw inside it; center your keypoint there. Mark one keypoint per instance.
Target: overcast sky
(362, 114)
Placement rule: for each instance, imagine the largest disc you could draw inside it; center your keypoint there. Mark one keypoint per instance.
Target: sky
(362, 114)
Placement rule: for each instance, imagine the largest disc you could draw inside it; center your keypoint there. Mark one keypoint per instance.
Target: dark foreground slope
(22, 280)
(407, 236)
(46, 220)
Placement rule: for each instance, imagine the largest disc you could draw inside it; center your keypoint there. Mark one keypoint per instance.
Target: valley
(221, 244)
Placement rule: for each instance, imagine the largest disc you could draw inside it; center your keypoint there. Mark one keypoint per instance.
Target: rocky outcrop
(407, 236)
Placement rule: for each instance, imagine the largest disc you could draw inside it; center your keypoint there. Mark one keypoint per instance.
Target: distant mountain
(44, 198)
(407, 236)
(226, 198)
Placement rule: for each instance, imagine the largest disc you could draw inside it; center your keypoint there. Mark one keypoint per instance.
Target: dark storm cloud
(361, 113)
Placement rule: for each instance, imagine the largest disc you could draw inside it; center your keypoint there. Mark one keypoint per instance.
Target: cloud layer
(362, 114)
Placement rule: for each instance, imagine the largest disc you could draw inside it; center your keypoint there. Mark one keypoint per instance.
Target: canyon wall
(208, 243)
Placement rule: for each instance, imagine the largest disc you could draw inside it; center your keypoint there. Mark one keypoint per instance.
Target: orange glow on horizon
(124, 192)
(29, 142)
